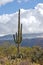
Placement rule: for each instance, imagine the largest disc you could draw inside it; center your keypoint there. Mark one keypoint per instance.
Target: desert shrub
(35, 54)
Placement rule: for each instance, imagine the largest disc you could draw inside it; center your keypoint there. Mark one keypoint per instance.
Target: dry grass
(18, 62)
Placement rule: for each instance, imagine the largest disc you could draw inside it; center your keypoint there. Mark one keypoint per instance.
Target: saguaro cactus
(18, 36)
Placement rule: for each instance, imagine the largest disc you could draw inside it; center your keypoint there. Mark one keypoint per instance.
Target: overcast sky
(31, 16)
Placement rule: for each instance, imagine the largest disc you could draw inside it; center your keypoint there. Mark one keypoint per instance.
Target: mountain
(25, 36)
(32, 42)
(33, 35)
(28, 40)
(6, 37)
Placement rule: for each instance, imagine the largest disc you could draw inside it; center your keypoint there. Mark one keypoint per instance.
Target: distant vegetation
(33, 54)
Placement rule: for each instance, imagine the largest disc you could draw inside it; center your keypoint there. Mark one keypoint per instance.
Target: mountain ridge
(28, 40)
(33, 35)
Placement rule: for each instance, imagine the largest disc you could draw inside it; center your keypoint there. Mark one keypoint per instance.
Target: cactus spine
(18, 36)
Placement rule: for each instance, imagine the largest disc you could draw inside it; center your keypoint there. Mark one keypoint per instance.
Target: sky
(31, 14)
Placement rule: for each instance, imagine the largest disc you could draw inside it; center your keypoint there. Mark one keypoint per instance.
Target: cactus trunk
(18, 49)
(18, 38)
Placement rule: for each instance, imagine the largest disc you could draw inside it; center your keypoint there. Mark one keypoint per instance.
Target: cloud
(19, 1)
(2, 2)
(32, 20)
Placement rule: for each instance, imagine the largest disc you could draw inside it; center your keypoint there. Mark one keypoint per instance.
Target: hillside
(28, 40)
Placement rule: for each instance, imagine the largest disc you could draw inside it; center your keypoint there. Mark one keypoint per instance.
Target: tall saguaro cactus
(18, 36)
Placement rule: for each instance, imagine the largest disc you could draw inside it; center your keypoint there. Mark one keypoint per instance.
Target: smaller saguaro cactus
(18, 36)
